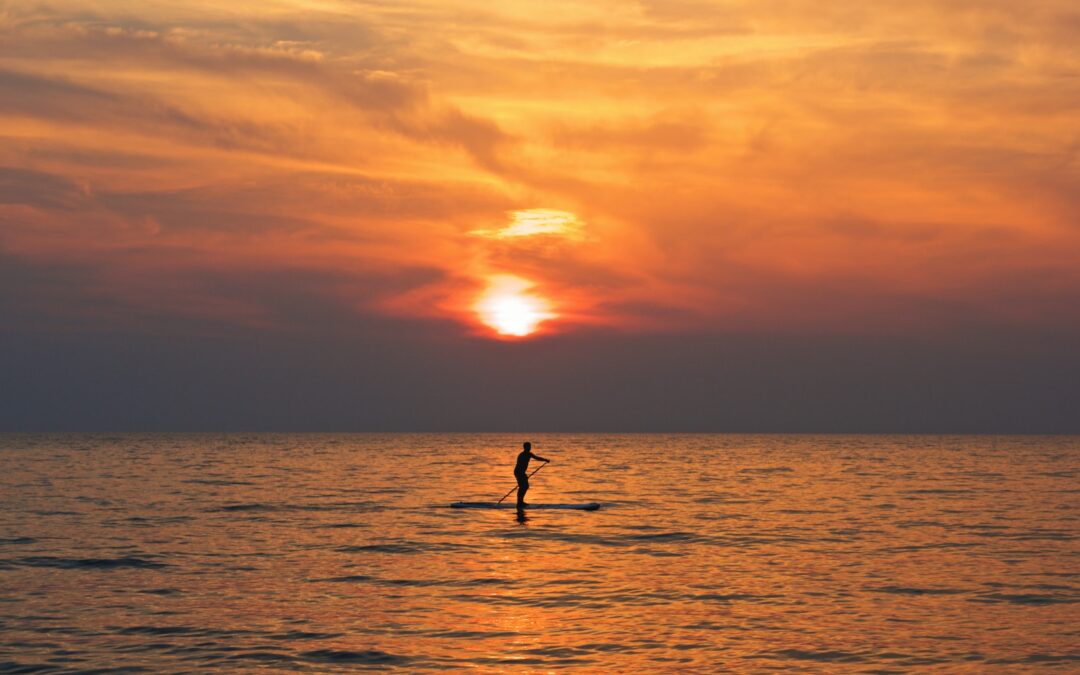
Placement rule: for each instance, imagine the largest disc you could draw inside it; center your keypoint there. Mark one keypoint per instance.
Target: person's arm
(535, 456)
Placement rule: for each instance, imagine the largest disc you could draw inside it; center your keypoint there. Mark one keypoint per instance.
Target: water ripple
(89, 563)
(366, 657)
(321, 553)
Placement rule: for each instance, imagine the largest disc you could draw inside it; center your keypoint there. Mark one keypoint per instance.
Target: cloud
(664, 132)
(538, 223)
(41, 190)
(284, 69)
(737, 164)
(52, 98)
(749, 197)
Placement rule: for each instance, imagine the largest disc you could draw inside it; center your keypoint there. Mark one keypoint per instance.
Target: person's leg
(523, 487)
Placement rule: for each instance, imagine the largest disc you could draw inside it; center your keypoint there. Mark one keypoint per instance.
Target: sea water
(710, 553)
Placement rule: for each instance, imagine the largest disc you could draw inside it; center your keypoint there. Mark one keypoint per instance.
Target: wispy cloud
(538, 223)
(678, 165)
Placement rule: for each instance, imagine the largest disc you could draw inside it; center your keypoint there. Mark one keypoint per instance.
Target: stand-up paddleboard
(590, 506)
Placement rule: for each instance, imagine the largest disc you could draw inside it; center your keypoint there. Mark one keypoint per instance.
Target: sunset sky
(672, 215)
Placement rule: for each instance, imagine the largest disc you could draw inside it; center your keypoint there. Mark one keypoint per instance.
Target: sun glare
(510, 309)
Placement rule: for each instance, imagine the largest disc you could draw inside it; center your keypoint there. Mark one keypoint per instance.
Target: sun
(510, 308)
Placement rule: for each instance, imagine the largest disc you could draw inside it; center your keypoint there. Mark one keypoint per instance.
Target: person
(521, 472)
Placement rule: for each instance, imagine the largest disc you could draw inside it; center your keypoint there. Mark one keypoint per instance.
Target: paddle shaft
(515, 487)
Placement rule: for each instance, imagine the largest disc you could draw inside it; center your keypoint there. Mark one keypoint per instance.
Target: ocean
(711, 553)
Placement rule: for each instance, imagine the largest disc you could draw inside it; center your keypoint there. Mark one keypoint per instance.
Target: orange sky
(651, 166)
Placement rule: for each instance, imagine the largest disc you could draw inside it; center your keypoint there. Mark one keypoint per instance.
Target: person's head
(527, 446)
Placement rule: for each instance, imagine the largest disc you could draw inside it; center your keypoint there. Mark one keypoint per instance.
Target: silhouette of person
(521, 472)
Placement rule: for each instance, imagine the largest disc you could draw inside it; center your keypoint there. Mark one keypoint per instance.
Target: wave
(1024, 599)
(827, 656)
(408, 548)
(17, 540)
(345, 656)
(90, 563)
(351, 506)
(454, 583)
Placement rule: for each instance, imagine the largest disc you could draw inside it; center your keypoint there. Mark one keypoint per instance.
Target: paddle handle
(515, 487)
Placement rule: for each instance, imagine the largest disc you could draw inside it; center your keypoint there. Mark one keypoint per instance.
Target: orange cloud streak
(646, 166)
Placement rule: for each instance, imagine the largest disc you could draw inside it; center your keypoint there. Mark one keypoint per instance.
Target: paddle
(515, 487)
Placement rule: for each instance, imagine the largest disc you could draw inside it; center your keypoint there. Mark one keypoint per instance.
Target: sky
(667, 215)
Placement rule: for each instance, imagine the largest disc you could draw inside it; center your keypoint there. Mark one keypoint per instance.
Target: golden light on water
(511, 308)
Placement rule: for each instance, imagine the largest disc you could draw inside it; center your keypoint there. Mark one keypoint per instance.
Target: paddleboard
(590, 506)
